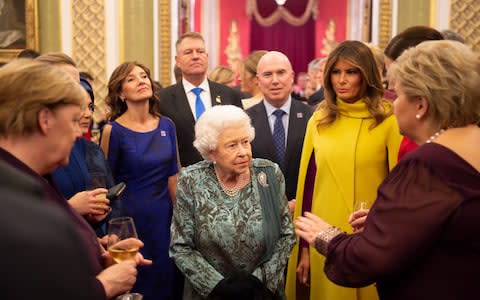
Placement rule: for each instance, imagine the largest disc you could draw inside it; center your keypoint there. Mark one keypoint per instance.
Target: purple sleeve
(308, 191)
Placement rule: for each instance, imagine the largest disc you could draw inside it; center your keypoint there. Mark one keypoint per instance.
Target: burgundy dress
(421, 239)
(89, 238)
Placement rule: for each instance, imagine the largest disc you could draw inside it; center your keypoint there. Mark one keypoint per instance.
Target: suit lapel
(181, 104)
(215, 94)
(263, 134)
(296, 117)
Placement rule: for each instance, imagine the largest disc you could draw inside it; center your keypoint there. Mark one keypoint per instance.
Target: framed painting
(18, 27)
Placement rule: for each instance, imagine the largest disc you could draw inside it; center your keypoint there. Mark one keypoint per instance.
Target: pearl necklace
(434, 136)
(232, 191)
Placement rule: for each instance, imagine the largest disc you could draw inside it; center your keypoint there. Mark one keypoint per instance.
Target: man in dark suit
(278, 110)
(42, 251)
(184, 101)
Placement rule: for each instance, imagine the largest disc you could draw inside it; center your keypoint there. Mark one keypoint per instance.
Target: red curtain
(297, 42)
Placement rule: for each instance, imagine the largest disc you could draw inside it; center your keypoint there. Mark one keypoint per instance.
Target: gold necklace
(232, 191)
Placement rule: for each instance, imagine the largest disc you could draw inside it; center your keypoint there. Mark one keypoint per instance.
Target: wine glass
(121, 231)
(361, 205)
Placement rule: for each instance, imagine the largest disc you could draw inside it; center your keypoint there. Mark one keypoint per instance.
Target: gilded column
(165, 42)
(88, 49)
(385, 23)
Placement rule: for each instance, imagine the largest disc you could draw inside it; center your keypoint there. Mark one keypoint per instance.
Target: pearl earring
(214, 162)
(418, 116)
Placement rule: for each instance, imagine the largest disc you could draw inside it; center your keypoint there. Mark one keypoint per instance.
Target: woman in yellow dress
(351, 144)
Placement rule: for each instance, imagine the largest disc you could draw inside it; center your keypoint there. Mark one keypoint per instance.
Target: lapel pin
(262, 179)
(163, 133)
(218, 99)
(299, 115)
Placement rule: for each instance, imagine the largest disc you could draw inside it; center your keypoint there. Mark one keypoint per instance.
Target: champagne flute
(361, 205)
(121, 231)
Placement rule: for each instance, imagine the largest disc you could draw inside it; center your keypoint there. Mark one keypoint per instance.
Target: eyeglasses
(91, 106)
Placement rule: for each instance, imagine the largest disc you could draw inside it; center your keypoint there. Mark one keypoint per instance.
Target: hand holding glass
(122, 244)
(359, 215)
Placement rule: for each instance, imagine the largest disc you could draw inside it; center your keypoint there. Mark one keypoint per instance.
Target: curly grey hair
(213, 121)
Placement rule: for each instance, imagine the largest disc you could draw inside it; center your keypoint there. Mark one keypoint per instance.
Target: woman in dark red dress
(420, 240)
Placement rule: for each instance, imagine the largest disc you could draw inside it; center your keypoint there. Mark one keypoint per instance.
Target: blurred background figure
(141, 148)
(452, 36)
(28, 53)
(350, 146)
(420, 239)
(410, 37)
(300, 86)
(315, 91)
(231, 230)
(248, 79)
(223, 75)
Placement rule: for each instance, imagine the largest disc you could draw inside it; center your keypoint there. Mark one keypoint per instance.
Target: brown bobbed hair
(410, 37)
(116, 106)
(446, 74)
(361, 57)
(26, 87)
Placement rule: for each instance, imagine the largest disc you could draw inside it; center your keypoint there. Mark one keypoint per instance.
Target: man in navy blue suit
(275, 79)
(179, 101)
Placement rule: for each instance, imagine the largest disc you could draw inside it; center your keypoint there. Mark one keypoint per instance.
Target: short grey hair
(215, 120)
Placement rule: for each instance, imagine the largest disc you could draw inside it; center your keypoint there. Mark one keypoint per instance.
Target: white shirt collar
(285, 107)
(187, 86)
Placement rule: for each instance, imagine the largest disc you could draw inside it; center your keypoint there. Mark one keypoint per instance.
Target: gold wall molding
(385, 23)
(88, 47)
(465, 19)
(165, 40)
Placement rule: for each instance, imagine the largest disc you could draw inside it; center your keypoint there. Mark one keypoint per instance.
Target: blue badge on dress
(163, 133)
(262, 179)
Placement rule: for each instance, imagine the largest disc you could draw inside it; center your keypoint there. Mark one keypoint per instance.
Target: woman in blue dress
(141, 149)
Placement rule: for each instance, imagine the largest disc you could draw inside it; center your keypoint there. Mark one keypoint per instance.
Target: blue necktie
(199, 107)
(279, 137)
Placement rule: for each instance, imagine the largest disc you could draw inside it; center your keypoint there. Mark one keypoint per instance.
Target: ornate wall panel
(385, 23)
(465, 19)
(165, 42)
(89, 43)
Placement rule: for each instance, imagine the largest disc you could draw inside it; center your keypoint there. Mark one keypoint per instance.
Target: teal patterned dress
(216, 236)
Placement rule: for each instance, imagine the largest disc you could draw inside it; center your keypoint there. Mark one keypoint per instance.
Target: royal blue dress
(144, 161)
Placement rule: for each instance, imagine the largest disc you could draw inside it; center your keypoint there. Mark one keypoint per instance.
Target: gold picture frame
(22, 31)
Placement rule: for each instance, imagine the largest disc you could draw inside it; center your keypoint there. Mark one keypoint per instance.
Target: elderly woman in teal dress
(231, 230)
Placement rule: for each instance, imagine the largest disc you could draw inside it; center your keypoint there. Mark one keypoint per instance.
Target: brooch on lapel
(218, 99)
(299, 115)
(262, 179)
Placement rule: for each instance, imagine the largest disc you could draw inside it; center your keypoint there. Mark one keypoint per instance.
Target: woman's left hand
(309, 226)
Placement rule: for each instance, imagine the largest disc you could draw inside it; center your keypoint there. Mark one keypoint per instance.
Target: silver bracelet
(324, 237)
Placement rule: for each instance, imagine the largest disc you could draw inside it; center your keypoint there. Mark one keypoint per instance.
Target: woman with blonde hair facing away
(231, 229)
(223, 75)
(141, 148)
(248, 79)
(40, 110)
(350, 145)
(420, 240)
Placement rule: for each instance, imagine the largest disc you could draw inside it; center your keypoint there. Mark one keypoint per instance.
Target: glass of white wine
(121, 232)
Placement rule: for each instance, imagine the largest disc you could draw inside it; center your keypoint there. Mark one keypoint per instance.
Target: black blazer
(174, 104)
(262, 144)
